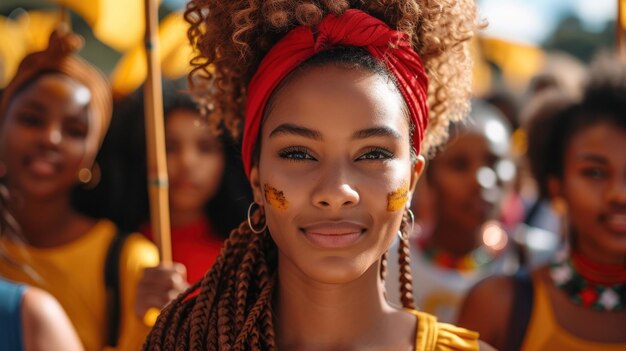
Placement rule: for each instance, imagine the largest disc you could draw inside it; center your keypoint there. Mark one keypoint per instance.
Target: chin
(335, 269)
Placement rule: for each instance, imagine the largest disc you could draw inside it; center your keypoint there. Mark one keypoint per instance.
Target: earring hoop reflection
(254, 230)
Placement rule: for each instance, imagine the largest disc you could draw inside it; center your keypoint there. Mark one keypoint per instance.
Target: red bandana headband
(353, 28)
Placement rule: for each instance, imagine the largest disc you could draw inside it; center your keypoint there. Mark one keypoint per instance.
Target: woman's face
(45, 136)
(335, 172)
(466, 179)
(594, 187)
(195, 160)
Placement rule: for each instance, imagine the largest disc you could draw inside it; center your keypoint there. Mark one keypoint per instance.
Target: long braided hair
(233, 309)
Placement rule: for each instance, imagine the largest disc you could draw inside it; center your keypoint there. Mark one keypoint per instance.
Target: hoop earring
(90, 178)
(255, 231)
(400, 235)
(412, 217)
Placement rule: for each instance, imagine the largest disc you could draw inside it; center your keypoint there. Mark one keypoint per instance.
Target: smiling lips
(42, 166)
(616, 222)
(333, 234)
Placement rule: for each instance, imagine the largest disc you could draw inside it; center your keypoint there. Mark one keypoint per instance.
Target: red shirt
(195, 245)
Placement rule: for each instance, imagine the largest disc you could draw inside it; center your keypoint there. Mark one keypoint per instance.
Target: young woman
(335, 100)
(53, 117)
(209, 192)
(579, 301)
(464, 242)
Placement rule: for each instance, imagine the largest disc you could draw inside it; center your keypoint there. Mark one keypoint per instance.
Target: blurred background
(512, 49)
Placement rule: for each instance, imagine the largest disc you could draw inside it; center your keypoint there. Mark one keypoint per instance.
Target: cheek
(397, 199)
(275, 198)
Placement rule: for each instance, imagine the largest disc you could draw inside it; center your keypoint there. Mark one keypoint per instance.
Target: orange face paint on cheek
(275, 198)
(397, 199)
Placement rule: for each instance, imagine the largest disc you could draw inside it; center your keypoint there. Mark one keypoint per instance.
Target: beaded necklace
(589, 284)
(478, 258)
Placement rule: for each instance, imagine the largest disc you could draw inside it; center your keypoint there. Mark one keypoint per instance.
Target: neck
(46, 222)
(592, 252)
(454, 239)
(182, 218)
(318, 316)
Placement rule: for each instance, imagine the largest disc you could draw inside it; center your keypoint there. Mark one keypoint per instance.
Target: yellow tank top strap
(544, 333)
(434, 336)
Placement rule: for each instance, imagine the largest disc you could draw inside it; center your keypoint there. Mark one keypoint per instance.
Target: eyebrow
(292, 129)
(593, 158)
(34, 104)
(381, 131)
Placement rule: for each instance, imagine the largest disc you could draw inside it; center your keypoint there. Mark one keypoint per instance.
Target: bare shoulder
(45, 324)
(487, 308)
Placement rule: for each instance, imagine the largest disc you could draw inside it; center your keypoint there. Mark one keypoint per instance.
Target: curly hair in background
(233, 309)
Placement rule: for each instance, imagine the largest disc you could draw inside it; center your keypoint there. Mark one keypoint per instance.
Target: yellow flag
(11, 51)
(481, 72)
(28, 33)
(174, 52)
(519, 62)
(37, 26)
(622, 9)
(117, 23)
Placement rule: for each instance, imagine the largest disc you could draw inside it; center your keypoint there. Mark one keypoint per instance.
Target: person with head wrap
(335, 98)
(54, 115)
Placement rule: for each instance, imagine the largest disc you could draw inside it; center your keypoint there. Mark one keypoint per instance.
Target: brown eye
(30, 119)
(376, 154)
(595, 173)
(296, 154)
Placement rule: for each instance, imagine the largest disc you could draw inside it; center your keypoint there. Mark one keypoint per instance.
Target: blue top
(10, 316)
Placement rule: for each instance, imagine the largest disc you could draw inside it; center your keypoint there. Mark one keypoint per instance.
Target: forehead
(334, 98)
(604, 139)
(54, 91)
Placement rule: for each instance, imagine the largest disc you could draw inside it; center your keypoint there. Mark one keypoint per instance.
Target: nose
(334, 191)
(617, 192)
(189, 157)
(53, 135)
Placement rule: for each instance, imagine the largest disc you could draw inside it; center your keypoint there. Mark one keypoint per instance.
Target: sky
(531, 21)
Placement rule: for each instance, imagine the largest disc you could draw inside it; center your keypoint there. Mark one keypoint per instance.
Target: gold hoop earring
(412, 217)
(90, 178)
(255, 231)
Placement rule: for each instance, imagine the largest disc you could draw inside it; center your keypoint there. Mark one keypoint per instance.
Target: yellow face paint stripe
(275, 198)
(397, 199)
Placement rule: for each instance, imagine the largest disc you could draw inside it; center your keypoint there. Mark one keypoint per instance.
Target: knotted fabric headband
(59, 57)
(354, 28)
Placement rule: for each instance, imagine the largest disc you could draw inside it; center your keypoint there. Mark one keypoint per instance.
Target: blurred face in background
(195, 161)
(44, 136)
(594, 187)
(469, 177)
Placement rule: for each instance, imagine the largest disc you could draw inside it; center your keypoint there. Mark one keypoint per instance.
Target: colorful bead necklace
(589, 284)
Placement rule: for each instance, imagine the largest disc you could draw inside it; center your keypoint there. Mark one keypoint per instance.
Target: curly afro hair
(232, 37)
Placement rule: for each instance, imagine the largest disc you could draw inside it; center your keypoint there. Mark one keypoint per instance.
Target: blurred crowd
(519, 220)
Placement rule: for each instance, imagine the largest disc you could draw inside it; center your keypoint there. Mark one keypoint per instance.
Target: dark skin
(45, 142)
(460, 201)
(46, 131)
(594, 187)
(335, 145)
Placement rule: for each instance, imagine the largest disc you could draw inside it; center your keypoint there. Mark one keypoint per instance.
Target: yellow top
(544, 333)
(434, 336)
(74, 274)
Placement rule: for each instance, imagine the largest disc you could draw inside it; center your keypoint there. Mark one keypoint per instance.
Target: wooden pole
(619, 30)
(155, 137)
